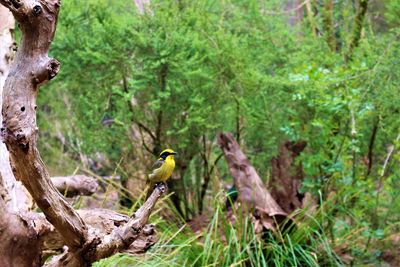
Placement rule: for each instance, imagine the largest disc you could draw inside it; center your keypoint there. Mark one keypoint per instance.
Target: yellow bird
(162, 169)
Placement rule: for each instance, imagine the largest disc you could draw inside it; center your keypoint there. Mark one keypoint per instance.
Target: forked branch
(120, 239)
(31, 68)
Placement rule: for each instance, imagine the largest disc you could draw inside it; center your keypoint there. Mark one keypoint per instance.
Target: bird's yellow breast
(169, 166)
(164, 172)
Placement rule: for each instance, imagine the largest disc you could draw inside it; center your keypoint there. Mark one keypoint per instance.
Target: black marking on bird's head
(167, 152)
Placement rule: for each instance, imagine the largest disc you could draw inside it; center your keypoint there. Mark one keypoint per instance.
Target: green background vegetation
(189, 69)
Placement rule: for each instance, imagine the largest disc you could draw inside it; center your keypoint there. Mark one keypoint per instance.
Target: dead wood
(286, 176)
(251, 190)
(75, 185)
(101, 221)
(119, 239)
(32, 238)
(19, 244)
(16, 196)
(31, 68)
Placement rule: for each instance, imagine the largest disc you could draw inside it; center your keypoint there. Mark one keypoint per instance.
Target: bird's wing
(150, 184)
(156, 165)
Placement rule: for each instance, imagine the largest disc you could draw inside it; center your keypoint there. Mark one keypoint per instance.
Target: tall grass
(227, 243)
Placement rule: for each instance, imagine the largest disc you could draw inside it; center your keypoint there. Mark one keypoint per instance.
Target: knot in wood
(20, 136)
(53, 68)
(57, 4)
(148, 229)
(16, 3)
(135, 230)
(24, 147)
(37, 10)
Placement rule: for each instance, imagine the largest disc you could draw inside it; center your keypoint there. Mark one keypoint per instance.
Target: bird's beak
(174, 153)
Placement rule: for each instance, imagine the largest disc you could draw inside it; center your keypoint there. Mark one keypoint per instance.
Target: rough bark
(15, 231)
(75, 185)
(252, 192)
(33, 239)
(19, 242)
(286, 176)
(15, 195)
(120, 239)
(6, 44)
(101, 221)
(31, 68)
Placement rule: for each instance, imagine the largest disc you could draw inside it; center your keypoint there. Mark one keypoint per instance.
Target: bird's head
(167, 153)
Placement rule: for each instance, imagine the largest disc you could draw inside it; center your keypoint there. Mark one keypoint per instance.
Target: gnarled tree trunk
(17, 197)
(14, 231)
(251, 190)
(23, 241)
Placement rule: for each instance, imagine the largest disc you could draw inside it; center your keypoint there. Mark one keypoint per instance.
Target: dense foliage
(134, 83)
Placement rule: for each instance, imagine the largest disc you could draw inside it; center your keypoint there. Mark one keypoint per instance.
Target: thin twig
(389, 156)
(375, 218)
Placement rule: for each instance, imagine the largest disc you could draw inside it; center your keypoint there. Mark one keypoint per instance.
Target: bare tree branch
(119, 239)
(122, 237)
(146, 129)
(15, 195)
(101, 221)
(86, 244)
(31, 68)
(75, 185)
